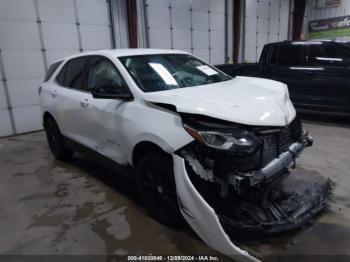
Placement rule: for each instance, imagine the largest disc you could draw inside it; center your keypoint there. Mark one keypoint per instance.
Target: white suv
(201, 145)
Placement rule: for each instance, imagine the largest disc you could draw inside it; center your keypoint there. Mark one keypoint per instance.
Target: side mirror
(102, 93)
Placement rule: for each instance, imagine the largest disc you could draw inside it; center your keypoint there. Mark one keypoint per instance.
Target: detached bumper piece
(287, 205)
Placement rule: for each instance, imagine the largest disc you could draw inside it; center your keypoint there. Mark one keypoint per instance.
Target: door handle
(54, 93)
(84, 103)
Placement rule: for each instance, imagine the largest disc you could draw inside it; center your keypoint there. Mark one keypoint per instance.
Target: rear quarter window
(72, 74)
(51, 70)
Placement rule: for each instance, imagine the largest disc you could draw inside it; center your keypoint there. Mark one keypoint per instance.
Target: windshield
(170, 71)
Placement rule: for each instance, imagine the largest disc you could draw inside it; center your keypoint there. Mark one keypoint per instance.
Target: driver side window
(104, 75)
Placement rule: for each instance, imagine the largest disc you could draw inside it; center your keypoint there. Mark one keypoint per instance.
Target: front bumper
(274, 168)
(301, 200)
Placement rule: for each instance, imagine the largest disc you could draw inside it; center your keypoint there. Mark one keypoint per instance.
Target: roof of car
(307, 42)
(127, 52)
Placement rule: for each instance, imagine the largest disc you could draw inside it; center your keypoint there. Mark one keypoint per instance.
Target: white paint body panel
(114, 127)
(244, 100)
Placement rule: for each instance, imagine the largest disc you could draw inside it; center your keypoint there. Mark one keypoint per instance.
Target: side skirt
(125, 170)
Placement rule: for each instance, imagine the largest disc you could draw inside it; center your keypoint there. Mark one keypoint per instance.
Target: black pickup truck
(317, 73)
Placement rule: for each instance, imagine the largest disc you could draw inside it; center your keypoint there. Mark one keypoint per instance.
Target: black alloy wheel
(55, 140)
(156, 184)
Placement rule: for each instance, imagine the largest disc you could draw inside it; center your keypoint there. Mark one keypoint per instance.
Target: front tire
(55, 141)
(156, 184)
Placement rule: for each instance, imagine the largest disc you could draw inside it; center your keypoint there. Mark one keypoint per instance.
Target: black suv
(317, 73)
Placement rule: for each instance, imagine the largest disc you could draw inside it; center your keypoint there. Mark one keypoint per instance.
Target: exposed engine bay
(246, 175)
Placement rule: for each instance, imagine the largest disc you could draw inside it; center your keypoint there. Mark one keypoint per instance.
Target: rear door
(331, 79)
(70, 97)
(286, 63)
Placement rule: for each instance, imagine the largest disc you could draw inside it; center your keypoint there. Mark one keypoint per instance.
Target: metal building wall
(120, 23)
(195, 26)
(33, 34)
(141, 24)
(264, 22)
(315, 13)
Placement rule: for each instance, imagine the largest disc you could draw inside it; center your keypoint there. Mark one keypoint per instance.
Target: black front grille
(275, 143)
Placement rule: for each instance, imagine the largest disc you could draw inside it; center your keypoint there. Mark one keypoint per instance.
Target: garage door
(5, 125)
(265, 22)
(195, 26)
(33, 34)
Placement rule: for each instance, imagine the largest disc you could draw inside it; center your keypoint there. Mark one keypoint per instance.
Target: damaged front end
(233, 180)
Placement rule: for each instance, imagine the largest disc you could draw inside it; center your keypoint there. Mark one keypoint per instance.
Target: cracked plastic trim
(199, 215)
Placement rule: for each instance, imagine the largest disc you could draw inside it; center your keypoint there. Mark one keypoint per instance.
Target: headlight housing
(236, 140)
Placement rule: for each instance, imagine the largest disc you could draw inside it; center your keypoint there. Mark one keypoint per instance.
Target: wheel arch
(143, 148)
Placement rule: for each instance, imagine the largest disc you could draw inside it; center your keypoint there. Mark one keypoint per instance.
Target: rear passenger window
(325, 55)
(72, 74)
(287, 55)
(51, 70)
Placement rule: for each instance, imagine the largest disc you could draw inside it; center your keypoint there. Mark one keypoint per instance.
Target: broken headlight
(236, 140)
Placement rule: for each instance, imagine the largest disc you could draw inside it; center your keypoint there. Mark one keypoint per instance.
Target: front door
(101, 119)
(286, 64)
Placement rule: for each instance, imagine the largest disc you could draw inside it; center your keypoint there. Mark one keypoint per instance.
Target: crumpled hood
(244, 100)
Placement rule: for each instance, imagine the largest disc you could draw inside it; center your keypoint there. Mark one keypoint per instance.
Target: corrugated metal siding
(313, 12)
(265, 22)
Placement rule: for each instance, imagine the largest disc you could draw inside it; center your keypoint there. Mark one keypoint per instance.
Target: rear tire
(156, 184)
(55, 140)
